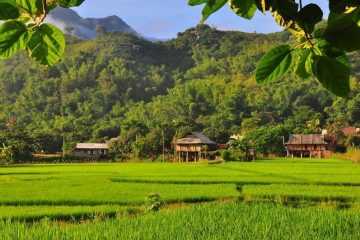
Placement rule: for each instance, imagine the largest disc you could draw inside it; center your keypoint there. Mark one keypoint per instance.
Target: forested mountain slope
(118, 84)
(87, 28)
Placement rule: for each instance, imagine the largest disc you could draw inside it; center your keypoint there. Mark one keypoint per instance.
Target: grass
(298, 192)
(351, 155)
(33, 213)
(85, 193)
(79, 190)
(220, 221)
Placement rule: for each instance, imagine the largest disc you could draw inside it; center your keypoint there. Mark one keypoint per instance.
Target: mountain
(86, 28)
(119, 84)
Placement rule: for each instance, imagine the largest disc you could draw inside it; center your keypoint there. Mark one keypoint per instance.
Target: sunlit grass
(67, 191)
(214, 221)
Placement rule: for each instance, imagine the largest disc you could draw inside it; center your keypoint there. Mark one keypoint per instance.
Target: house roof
(195, 138)
(92, 146)
(305, 139)
(348, 131)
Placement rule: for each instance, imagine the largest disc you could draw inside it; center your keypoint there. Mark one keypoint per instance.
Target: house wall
(306, 147)
(308, 150)
(189, 148)
(89, 153)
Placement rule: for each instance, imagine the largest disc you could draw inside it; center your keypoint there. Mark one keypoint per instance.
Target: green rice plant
(74, 186)
(209, 221)
(298, 192)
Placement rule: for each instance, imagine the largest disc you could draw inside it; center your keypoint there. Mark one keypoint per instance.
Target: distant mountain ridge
(85, 28)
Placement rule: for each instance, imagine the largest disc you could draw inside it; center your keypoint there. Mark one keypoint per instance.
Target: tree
(320, 50)
(101, 30)
(21, 143)
(266, 140)
(6, 155)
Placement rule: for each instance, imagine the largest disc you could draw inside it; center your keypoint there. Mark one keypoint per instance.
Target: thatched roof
(296, 139)
(195, 138)
(92, 146)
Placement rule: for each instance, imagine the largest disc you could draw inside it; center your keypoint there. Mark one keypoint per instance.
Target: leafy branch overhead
(24, 29)
(320, 51)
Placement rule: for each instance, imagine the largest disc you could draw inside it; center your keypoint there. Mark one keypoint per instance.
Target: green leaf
(13, 38)
(50, 5)
(70, 3)
(47, 45)
(308, 16)
(339, 6)
(333, 73)
(303, 66)
(287, 9)
(274, 64)
(245, 9)
(210, 7)
(31, 7)
(8, 11)
(329, 50)
(353, 15)
(263, 5)
(196, 2)
(343, 34)
(283, 11)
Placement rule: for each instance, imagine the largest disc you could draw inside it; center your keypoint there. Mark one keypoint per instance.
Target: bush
(226, 155)
(6, 156)
(237, 154)
(233, 154)
(154, 202)
(352, 154)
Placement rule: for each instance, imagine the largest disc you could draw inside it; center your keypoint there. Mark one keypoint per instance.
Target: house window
(91, 152)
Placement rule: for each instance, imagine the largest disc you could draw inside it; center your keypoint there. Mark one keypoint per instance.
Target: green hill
(119, 84)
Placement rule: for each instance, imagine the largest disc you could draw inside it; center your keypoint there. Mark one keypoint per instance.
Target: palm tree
(313, 126)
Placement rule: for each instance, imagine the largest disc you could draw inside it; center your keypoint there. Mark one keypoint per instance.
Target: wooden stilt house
(301, 145)
(193, 146)
(90, 150)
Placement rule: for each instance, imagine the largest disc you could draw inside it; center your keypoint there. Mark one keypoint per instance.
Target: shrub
(237, 154)
(154, 202)
(352, 154)
(6, 156)
(226, 155)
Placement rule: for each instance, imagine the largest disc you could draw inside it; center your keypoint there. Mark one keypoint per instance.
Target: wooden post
(187, 155)
(163, 145)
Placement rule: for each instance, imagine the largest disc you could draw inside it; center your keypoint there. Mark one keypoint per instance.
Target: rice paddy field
(265, 199)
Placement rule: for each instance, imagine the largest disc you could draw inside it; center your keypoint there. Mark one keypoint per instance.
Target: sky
(163, 19)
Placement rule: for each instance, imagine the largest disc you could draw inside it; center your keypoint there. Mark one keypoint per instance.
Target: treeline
(142, 93)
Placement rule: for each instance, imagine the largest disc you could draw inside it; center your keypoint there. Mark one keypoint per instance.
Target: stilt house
(301, 145)
(193, 146)
(90, 150)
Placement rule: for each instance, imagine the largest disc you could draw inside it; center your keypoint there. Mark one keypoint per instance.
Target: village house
(301, 145)
(90, 150)
(193, 146)
(350, 131)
